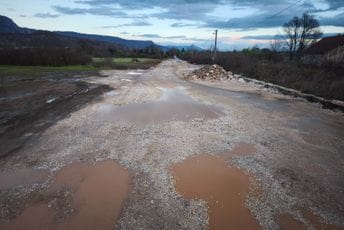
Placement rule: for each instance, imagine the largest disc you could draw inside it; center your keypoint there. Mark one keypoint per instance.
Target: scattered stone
(210, 72)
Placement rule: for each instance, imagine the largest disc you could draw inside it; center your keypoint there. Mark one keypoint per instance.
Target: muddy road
(145, 149)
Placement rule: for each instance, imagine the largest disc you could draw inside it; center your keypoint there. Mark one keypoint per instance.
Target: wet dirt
(174, 104)
(22, 177)
(222, 186)
(98, 194)
(288, 222)
(32, 114)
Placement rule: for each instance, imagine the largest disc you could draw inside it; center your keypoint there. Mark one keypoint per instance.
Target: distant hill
(14, 36)
(139, 44)
(186, 48)
(8, 26)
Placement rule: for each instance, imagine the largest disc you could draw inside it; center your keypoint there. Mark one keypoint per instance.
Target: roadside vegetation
(283, 64)
(262, 64)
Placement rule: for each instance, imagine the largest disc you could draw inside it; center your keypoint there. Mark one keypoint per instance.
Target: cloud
(180, 24)
(46, 15)
(135, 23)
(159, 36)
(148, 35)
(102, 11)
(176, 37)
(270, 37)
(239, 15)
(258, 37)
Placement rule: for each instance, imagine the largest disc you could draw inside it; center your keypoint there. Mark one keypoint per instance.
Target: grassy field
(125, 60)
(96, 65)
(6, 70)
(125, 63)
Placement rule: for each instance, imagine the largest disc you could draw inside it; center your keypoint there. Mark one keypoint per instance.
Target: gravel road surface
(150, 138)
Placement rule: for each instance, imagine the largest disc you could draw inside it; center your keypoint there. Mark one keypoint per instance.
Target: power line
(278, 13)
(288, 7)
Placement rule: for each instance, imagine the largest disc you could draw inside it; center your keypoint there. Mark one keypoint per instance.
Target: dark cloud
(268, 13)
(333, 21)
(270, 37)
(266, 19)
(139, 4)
(46, 15)
(102, 11)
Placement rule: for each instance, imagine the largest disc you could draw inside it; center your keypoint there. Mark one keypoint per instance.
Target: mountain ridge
(8, 26)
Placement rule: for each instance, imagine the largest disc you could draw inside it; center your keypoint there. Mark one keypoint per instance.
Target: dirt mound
(209, 72)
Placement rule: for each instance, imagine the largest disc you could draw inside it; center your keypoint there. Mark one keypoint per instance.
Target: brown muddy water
(173, 105)
(222, 186)
(98, 194)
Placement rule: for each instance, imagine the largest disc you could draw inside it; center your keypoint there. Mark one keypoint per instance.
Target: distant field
(125, 63)
(125, 60)
(30, 70)
(96, 65)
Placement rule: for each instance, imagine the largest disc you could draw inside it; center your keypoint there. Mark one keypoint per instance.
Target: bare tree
(300, 32)
(276, 43)
(310, 31)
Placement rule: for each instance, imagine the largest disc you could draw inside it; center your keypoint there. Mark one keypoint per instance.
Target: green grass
(29, 70)
(96, 65)
(125, 60)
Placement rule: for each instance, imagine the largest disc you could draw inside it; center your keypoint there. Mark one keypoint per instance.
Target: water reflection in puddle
(224, 188)
(173, 105)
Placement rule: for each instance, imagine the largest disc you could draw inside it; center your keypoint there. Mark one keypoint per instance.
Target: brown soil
(288, 222)
(223, 187)
(99, 193)
(26, 111)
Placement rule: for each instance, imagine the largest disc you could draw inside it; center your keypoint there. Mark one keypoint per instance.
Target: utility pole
(215, 47)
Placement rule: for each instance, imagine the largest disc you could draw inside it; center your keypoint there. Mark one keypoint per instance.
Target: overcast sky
(241, 23)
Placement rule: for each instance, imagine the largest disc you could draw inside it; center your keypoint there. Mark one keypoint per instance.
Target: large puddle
(173, 105)
(97, 192)
(223, 187)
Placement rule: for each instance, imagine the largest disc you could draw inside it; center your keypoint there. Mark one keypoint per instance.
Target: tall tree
(300, 32)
